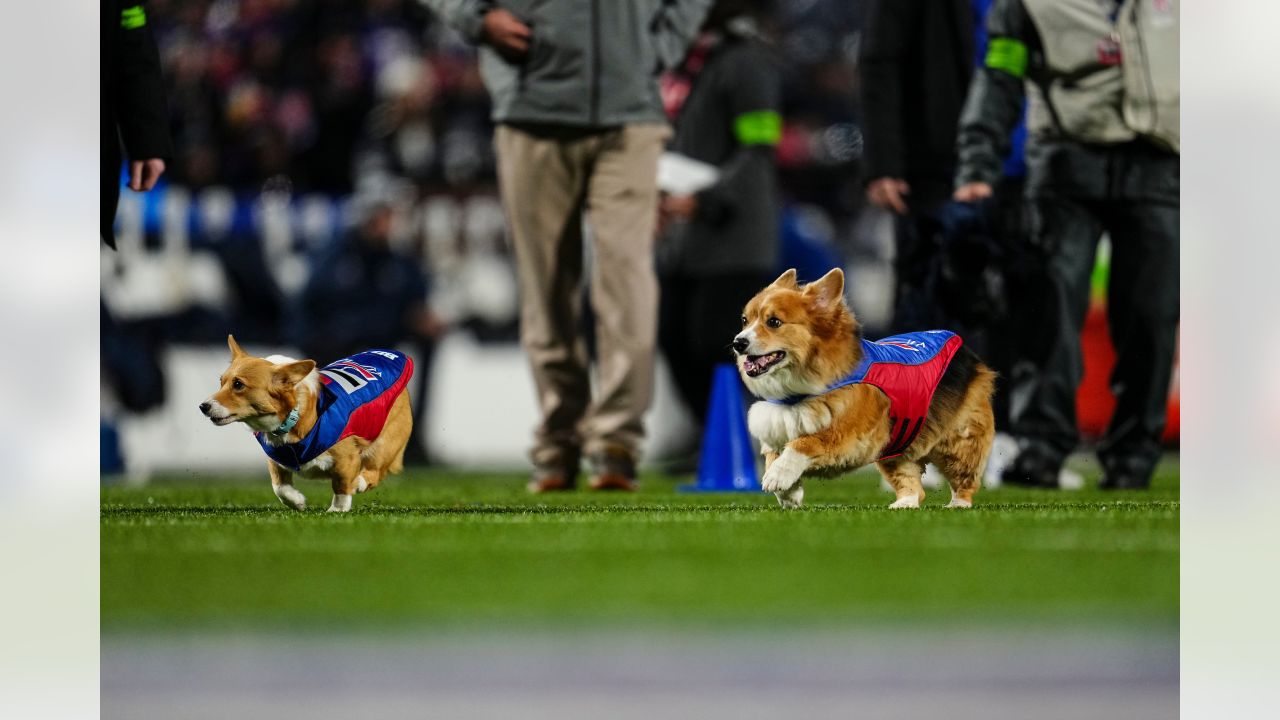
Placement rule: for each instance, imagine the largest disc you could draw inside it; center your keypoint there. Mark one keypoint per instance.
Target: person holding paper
(718, 244)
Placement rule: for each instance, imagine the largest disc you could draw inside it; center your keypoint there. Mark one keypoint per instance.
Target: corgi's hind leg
(386, 455)
(346, 474)
(903, 476)
(961, 455)
(282, 484)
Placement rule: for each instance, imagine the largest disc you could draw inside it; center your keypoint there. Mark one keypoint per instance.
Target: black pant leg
(417, 450)
(915, 267)
(700, 323)
(1044, 407)
(1142, 312)
(1022, 273)
(717, 311)
(675, 333)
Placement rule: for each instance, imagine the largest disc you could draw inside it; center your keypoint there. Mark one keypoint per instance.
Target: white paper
(682, 175)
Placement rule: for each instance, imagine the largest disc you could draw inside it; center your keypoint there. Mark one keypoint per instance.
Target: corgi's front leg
(791, 498)
(282, 484)
(784, 472)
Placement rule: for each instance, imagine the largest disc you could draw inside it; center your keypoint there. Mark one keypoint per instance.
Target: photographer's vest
(1112, 71)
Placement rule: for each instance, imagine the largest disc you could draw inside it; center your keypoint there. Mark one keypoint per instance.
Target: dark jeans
(917, 246)
(1077, 193)
(698, 319)
(983, 288)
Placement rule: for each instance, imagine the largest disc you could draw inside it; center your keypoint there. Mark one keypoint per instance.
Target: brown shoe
(613, 469)
(557, 474)
(612, 481)
(549, 482)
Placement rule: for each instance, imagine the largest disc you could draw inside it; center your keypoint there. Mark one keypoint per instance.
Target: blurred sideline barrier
(479, 415)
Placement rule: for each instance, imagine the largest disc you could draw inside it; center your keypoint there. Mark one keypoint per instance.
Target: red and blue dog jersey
(907, 368)
(356, 394)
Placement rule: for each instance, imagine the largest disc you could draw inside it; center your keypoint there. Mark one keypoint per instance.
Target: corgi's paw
(361, 484)
(341, 503)
(906, 502)
(957, 502)
(793, 498)
(784, 472)
(291, 497)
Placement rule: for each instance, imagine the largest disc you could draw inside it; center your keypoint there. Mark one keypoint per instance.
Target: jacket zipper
(595, 62)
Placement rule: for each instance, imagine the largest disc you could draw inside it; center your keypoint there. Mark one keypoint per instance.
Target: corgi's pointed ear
(786, 280)
(292, 373)
(236, 352)
(827, 290)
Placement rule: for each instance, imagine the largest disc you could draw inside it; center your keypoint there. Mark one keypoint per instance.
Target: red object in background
(1094, 402)
(793, 148)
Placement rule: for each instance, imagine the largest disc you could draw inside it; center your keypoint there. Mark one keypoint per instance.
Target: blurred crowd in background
(290, 118)
(333, 96)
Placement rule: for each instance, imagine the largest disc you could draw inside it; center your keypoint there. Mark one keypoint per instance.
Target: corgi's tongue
(756, 365)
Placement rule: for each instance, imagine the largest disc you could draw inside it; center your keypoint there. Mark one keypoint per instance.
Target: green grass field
(436, 549)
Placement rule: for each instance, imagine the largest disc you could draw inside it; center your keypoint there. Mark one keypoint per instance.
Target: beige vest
(1096, 103)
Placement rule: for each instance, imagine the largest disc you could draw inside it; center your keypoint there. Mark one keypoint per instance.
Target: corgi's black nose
(204, 407)
(740, 345)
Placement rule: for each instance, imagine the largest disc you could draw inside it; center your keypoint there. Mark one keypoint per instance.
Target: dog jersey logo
(904, 344)
(351, 375)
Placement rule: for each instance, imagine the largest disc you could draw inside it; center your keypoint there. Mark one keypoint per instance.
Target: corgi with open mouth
(831, 401)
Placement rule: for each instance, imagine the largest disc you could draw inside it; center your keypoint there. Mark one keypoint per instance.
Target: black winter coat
(916, 61)
(132, 107)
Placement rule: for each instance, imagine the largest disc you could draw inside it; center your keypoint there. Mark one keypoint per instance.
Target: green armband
(133, 18)
(761, 127)
(1007, 55)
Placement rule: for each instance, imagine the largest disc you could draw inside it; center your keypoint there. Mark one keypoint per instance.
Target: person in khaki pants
(580, 127)
(547, 178)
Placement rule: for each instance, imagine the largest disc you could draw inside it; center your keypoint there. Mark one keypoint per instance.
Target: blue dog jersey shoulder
(916, 348)
(355, 397)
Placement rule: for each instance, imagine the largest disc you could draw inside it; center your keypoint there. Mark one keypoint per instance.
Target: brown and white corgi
(355, 440)
(832, 402)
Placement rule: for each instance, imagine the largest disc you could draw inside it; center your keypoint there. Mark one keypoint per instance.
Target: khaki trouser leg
(621, 205)
(542, 181)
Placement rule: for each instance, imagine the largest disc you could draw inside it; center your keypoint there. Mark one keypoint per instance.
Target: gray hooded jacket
(591, 63)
